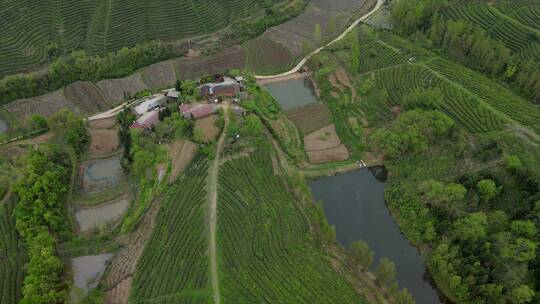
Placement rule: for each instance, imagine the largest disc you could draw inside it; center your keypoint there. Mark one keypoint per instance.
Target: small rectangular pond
(101, 174)
(354, 203)
(87, 271)
(292, 93)
(90, 217)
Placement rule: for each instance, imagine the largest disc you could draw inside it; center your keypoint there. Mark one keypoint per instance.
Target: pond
(3, 126)
(87, 271)
(92, 216)
(354, 203)
(292, 93)
(101, 174)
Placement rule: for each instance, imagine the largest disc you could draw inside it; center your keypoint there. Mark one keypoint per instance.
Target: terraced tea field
(471, 99)
(12, 257)
(265, 241)
(516, 24)
(174, 264)
(29, 27)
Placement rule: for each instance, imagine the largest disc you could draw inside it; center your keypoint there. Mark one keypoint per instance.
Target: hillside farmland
(34, 31)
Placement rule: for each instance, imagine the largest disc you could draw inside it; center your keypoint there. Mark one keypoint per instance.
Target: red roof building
(195, 111)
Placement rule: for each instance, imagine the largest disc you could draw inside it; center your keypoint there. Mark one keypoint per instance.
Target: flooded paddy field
(354, 203)
(90, 217)
(87, 271)
(100, 174)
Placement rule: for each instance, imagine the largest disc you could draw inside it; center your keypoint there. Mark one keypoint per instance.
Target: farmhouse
(147, 121)
(172, 94)
(150, 103)
(195, 111)
(227, 88)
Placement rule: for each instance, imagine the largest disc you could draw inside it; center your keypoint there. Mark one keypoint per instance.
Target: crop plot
(267, 253)
(311, 117)
(12, 257)
(265, 56)
(174, 264)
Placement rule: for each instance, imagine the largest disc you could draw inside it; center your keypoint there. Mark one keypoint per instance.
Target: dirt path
(305, 59)
(212, 210)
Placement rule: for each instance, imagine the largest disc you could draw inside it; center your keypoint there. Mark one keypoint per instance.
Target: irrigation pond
(89, 217)
(354, 203)
(87, 271)
(292, 93)
(101, 174)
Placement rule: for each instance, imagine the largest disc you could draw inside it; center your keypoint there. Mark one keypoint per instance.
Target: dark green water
(354, 204)
(293, 93)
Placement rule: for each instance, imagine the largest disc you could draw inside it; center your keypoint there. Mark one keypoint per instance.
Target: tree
(471, 228)
(487, 190)
(404, 297)
(386, 272)
(446, 195)
(361, 254)
(71, 129)
(525, 229)
(512, 163)
(178, 85)
(430, 99)
(521, 295)
(37, 122)
(355, 52)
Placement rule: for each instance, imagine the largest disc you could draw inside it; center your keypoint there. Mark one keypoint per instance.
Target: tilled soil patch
(103, 142)
(329, 155)
(322, 139)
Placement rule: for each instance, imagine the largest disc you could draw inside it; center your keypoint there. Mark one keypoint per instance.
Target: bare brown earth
(104, 123)
(298, 31)
(181, 153)
(159, 75)
(208, 127)
(322, 139)
(121, 271)
(45, 105)
(103, 142)
(87, 96)
(231, 58)
(329, 155)
(116, 90)
(310, 117)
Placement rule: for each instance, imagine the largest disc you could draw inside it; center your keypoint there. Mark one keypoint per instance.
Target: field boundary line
(212, 210)
(338, 38)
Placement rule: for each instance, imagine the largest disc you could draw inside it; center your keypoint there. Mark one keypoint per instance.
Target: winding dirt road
(305, 59)
(212, 210)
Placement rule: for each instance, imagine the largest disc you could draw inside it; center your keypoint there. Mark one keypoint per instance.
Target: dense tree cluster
(79, 65)
(412, 132)
(40, 215)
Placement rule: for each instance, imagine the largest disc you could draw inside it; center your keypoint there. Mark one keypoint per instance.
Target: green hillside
(33, 31)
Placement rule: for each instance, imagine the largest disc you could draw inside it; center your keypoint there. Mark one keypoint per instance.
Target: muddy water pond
(3, 126)
(292, 93)
(87, 270)
(354, 203)
(93, 216)
(101, 174)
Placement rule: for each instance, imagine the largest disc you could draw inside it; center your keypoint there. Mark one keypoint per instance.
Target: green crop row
(12, 257)
(174, 266)
(267, 251)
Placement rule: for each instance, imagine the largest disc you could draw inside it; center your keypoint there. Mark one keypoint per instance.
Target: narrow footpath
(305, 59)
(212, 209)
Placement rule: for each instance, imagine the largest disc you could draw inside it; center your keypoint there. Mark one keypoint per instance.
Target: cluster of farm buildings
(225, 88)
